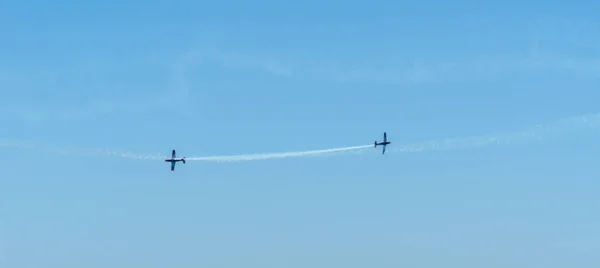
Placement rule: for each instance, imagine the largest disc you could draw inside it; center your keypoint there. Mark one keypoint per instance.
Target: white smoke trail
(532, 133)
(78, 151)
(253, 157)
(16, 144)
(536, 132)
(106, 152)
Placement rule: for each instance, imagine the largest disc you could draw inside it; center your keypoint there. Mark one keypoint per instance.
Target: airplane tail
(183, 160)
(375, 144)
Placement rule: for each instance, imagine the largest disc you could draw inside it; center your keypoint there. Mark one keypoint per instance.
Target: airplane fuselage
(382, 143)
(175, 160)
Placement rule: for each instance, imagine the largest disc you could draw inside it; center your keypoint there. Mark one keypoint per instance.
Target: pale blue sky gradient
(219, 78)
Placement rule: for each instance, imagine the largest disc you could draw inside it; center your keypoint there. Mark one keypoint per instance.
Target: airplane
(384, 143)
(174, 160)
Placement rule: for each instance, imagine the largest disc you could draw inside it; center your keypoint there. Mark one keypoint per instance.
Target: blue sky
(210, 78)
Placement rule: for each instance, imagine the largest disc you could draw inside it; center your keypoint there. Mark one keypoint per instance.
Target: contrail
(536, 132)
(251, 157)
(532, 133)
(78, 151)
(16, 144)
(106, 152)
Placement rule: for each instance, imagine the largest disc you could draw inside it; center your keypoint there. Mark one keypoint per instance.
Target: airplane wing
(173, 154)
(384, 136)
(383, 152)
(172, 166)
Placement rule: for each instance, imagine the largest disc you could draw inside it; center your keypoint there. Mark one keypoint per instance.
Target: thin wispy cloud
(553, 46)
(55, 112)
(570, 33)
(423, 72)
(239, 60)
(558, 46)
(173, 98)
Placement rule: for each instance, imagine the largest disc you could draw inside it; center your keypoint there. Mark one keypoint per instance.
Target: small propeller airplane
(384, 143)
(174, 160)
